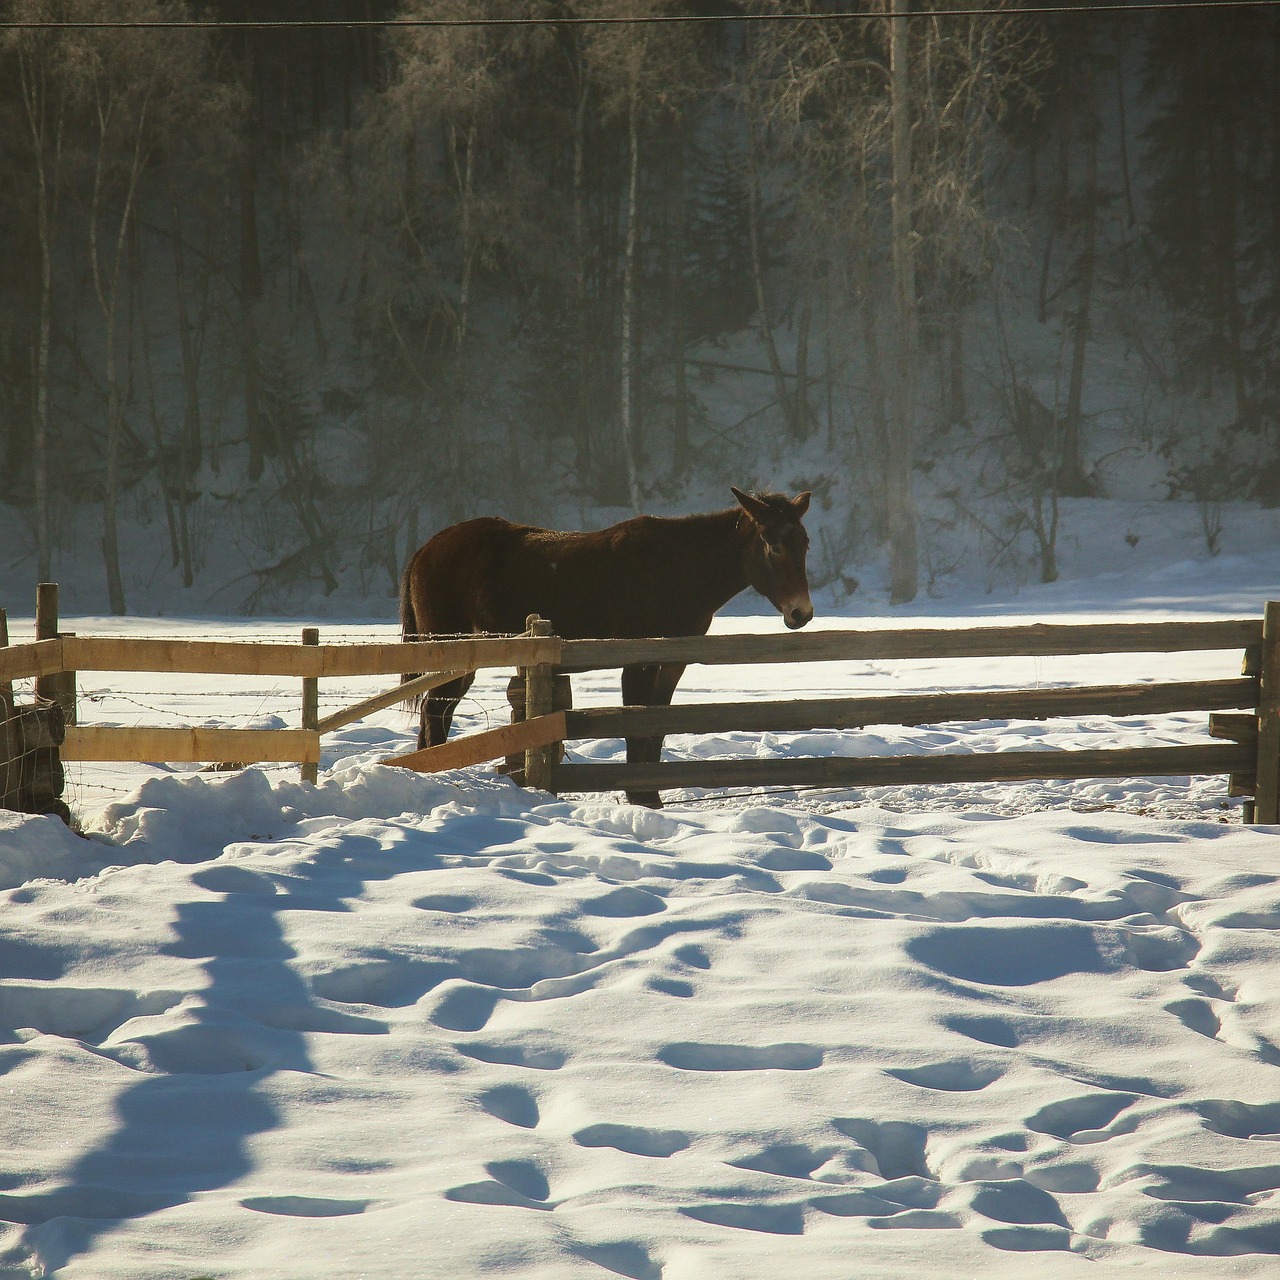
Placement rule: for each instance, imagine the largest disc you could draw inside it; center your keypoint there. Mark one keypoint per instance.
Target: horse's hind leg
(438, 707)
(650, 686)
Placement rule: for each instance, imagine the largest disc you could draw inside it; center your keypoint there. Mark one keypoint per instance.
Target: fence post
(1267, 799)
(9, 762)
(60, 687)
(310, 705)
(539, 697)
(6, 687)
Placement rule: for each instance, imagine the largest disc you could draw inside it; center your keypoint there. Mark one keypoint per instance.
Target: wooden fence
(1248, 750)
(1247, 753)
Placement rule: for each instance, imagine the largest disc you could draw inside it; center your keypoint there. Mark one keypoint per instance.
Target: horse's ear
(800, 503)
(757, 510)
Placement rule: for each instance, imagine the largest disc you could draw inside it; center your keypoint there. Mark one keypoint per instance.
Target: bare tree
(44, 100)
(439, 196)
(889, 120)
(140, 87)
(641, 70)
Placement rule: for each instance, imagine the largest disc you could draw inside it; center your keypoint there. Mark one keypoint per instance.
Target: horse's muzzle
(798, 616)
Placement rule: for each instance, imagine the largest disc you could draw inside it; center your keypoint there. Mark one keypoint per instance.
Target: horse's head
(776, 553)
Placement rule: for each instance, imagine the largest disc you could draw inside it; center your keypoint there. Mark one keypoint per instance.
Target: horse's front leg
(438, 706)
(649, 686)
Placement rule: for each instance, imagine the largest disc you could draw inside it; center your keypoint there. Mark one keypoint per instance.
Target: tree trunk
(106, 285)
(35, 99)
(904, 572)
(583, 399)
(676, 319)
(781, 393)
(801, 418)
(250, 294)
(1073, 480)
(1122, 125)
(627, 372)
(1225, 242)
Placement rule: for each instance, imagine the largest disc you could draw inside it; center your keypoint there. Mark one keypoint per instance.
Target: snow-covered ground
(396, 1026)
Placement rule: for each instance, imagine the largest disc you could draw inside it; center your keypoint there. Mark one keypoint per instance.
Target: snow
(403, 1026)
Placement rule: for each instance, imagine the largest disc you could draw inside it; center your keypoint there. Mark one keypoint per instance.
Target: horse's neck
(717, 556)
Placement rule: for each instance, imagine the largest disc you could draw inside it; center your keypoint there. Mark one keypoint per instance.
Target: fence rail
(1030, 640)
(897, 771)
(270, 658)
(914, 709)
(1251, 757)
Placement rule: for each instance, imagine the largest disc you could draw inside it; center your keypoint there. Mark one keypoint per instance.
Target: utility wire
(354, 24)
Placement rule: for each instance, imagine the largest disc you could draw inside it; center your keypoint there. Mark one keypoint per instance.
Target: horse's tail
(409, 631)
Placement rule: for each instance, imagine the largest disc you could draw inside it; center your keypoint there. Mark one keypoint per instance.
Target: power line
(355, 24)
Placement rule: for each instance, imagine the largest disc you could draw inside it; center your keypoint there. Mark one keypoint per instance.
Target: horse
(647, 576)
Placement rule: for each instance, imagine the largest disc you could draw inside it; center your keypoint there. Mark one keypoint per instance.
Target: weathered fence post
(310, 705)
(6, 687)
(9, 763)
(539, 700)
(1267, 798)
(31, 774)
(61, 686)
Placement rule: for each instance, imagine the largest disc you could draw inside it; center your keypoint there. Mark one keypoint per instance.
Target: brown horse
(649, 576)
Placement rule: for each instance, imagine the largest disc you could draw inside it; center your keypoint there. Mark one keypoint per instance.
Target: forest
(310, 280)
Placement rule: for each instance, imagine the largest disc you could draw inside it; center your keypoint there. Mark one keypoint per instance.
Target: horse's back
(489, 574)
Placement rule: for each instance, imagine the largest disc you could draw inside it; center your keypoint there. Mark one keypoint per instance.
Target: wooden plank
(1267, 761)
(1035, 640)
(847, 771)
(912, 709)
(1238, 728)
(35, 658)
(141, 743)
(388, 698)
(478, 748)
(256, 658)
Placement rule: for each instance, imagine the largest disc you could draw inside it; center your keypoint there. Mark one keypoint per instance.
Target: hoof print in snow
(1084, 1119)
(1196, 1015)
(450, 903)
(624, 903)
(517, 1183)
(773, 1219)
(897, 1146)
(229, 880)
(960, 1076)
(623, 1259)
(1028, 1239)
(789, 1160)
(386, 984)
(305, 1206)
(737, 1057)
(513, 1104)
(671, 987)
(793, 860)
(465, 1008)
(986, 1029)
(633, 1139)
(534, 1057)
